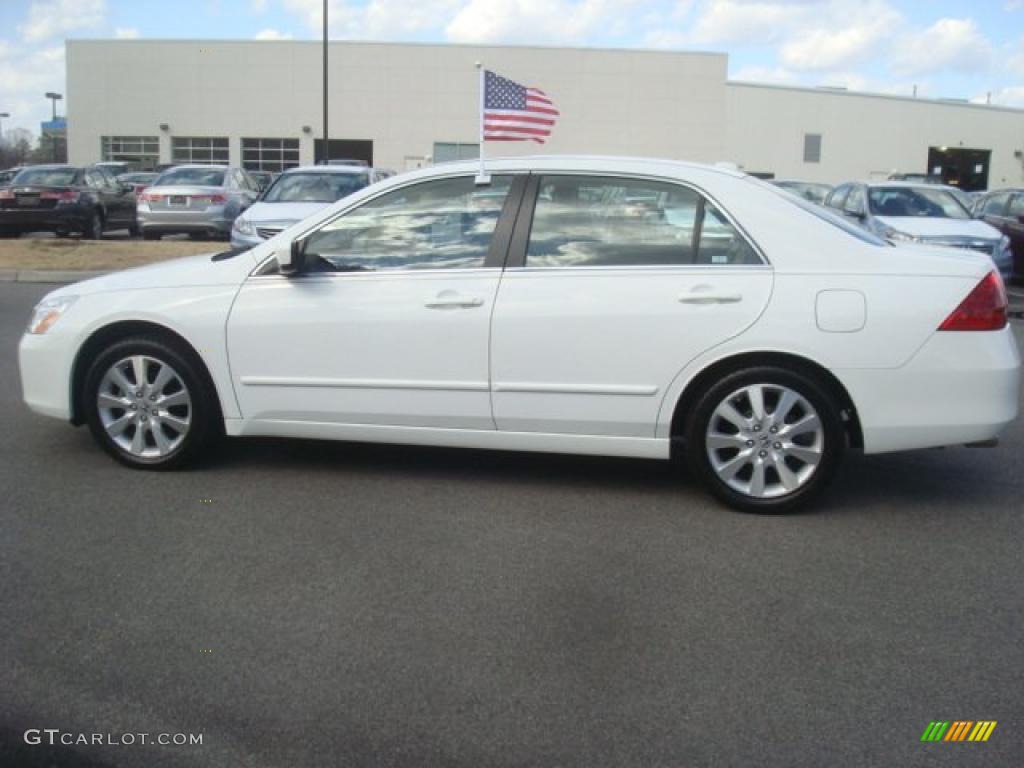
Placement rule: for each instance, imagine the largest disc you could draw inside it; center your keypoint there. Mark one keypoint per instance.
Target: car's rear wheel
(765, 439)
(93, 227)
(148, 404)
(150, 235)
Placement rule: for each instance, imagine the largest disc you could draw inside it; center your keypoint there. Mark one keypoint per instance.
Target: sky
(969, 49)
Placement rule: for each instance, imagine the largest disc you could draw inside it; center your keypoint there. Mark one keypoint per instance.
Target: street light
(2, 116)
(54, 97)
(326, 153)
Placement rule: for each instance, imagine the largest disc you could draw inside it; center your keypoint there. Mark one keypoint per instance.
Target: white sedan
(623, 307)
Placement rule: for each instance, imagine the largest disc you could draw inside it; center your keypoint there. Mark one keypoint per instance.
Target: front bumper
(45, 365)
(960, 388)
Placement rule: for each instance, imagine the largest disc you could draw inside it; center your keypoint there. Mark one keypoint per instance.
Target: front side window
(838, 196)
(589, 221)
(1016, 208)
(855, 202)
(441, 224)
(995, 205)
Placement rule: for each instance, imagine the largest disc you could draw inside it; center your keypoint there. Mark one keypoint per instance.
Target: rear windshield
(46, 177)
(825, 215)
(907, 201)
(191, 177)
(315, 187)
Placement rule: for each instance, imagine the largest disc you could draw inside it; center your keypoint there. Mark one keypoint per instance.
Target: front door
(390, 324)
(613, 287)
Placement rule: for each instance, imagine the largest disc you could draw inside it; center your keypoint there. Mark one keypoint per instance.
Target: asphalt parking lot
(314, 604)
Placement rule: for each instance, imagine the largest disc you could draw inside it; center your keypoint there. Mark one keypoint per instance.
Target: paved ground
(375, 606)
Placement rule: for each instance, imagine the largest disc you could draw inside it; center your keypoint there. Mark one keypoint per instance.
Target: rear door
(613, 285)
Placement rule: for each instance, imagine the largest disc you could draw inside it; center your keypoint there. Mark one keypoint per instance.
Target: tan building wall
(863, 136)
(404, 97)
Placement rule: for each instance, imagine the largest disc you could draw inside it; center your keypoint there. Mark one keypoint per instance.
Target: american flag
(513, 112)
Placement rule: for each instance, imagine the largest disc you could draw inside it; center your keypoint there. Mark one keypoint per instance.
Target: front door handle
(710, 298)
(453, 300)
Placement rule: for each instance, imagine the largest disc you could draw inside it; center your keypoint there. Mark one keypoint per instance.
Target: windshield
(825, 215)
(315, 187)
(136, 177)
(191, 177)
(919, 202)
(46, 177)
(816, 193)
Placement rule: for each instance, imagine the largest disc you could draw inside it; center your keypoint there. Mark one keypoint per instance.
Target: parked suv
(919, 213)
(198, 200)
(1004, 210)
(65, 199)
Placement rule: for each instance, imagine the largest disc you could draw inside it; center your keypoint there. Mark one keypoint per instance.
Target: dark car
(65, 199)
(1004, 210)
(138, 181)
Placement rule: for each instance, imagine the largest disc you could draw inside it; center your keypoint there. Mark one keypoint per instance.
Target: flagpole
(481, 176)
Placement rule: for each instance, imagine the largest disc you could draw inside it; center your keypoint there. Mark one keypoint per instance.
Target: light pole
(54, 98)
(326, 153)
(2, 116)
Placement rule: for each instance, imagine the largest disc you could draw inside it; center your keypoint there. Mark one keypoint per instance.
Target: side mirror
(291, 257)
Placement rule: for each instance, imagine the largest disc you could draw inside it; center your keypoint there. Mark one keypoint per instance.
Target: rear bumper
(213, 221)
(66, 217)
(959, 388)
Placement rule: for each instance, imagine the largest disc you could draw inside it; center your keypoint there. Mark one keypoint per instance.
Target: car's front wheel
(93, 227)
(765, 439)
(148, 404)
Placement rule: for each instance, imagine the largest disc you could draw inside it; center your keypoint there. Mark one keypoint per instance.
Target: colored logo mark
(958, 730)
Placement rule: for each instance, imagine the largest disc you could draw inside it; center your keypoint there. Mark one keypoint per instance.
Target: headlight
(48, 312)
(900, 237)
(244, 227)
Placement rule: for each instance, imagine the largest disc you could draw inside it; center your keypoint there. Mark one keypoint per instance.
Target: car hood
(922, 226)
(282, 213)
(187, 271)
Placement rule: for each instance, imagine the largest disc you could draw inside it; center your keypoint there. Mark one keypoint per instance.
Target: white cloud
(774, 75)
(948, 45)
(540, 21)
(272, 34)
(56, 18)
(126, 33)
(834, 44)
(258, 6)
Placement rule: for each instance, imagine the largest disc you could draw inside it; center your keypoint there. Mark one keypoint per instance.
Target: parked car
(535, 313)
(65, 199)
(808, 190)
(1004, 210)
(295, 195)
(198, 200)
(7, 174)
(920, 213)
(138, 181)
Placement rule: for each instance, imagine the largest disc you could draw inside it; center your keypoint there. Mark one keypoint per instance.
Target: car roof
(350, 169)
(905, 185)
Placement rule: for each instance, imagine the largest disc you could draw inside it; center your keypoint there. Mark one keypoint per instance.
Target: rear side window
(995, 205)
(590, 221)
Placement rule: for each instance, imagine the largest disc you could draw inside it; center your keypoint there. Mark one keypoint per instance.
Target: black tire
(133, 230)
(93, 227)
(206, 421)
(832, 435)
(9, 233)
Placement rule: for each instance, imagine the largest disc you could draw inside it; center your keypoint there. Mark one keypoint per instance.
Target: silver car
(296, 194)
(198, 200)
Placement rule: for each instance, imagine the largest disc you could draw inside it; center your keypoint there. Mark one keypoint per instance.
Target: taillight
(6, 194)
(984, 309)
(150, 197)
(212, 199)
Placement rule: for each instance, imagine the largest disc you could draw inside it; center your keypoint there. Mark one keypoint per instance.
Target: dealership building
(259, 104)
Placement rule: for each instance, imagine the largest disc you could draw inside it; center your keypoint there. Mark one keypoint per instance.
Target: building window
(445, 152)
(273, 155)
(199, 150)
(812, 147)
(143, 152)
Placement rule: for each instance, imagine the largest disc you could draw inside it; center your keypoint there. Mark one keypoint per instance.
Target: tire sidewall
(807, 386)
(93, 227)
(204, 413)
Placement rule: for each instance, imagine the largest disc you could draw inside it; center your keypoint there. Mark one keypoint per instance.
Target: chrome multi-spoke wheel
(765, 440)
(144, 406)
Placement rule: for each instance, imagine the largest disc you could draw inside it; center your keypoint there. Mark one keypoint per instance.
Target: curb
(47, 275)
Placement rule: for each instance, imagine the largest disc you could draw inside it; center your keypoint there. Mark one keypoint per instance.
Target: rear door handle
(710, 298)
(453, 300)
